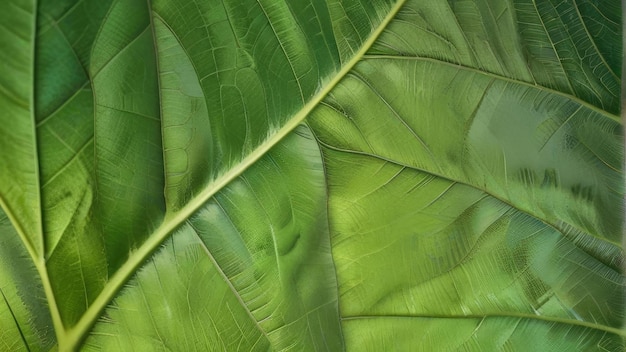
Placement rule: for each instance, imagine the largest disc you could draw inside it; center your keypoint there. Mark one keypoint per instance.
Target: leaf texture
(316, 175)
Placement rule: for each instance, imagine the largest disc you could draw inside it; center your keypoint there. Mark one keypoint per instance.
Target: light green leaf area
(311, 175)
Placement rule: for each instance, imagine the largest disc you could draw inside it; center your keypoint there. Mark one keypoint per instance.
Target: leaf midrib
(173, 220)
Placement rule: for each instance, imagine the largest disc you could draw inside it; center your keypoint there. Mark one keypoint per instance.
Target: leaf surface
(327, 175)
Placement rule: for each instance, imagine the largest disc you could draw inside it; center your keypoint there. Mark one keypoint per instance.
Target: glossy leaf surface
(311, 176)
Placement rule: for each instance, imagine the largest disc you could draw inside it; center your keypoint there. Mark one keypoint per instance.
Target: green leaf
(311, 176)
